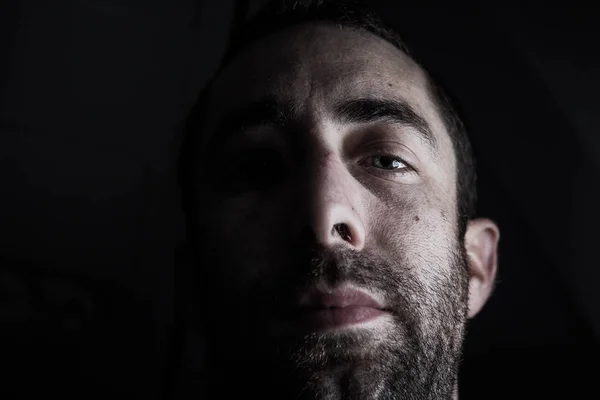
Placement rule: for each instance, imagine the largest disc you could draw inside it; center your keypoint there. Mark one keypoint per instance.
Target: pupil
(389, 162)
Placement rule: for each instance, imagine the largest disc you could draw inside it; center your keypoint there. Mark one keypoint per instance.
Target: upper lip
(338, 298)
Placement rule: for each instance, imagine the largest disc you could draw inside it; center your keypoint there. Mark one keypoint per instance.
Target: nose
(333, 205)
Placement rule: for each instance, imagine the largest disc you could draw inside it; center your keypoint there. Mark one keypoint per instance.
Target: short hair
(281, 14)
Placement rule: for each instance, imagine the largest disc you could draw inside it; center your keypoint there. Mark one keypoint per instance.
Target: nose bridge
(332, 183)
(334, 203)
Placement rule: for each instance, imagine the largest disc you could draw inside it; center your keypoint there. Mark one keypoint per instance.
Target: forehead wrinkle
(298, 75)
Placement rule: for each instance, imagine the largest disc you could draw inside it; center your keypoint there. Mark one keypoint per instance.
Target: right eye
(255, 169)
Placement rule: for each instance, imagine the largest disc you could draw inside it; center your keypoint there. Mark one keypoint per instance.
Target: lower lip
(338, 317)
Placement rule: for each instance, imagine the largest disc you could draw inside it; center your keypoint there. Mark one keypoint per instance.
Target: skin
(262, 241)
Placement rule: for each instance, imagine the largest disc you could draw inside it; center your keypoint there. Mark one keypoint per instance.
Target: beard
(414, 354)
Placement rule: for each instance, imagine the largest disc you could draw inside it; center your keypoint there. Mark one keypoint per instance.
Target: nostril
(343, 231)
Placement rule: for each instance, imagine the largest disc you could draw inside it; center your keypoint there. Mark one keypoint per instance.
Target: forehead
(316, 65)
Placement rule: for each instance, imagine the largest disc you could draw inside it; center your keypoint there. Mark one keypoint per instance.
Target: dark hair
(280, 14)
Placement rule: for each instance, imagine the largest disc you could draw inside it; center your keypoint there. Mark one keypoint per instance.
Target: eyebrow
(270, 111)
(267, 111)
(370, 110)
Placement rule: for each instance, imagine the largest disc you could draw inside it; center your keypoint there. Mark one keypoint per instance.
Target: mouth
(324, 310)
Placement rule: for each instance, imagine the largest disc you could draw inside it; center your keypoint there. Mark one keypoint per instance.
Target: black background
(93, 97)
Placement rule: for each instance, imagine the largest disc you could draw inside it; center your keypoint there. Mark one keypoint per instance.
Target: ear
(481, 243)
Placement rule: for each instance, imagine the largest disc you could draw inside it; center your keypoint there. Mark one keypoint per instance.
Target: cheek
(420, 231)
(245, 234)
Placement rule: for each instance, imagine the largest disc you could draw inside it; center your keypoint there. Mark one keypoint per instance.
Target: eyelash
(408, 168)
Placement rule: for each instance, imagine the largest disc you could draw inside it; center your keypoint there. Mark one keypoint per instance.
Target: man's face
(328, 210)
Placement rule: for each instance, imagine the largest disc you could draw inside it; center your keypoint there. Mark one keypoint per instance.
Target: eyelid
(383, 148)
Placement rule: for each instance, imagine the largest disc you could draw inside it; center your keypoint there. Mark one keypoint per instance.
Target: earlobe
(481, 242)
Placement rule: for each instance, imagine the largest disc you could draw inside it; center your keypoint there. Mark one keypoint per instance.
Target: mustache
(337, 265)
